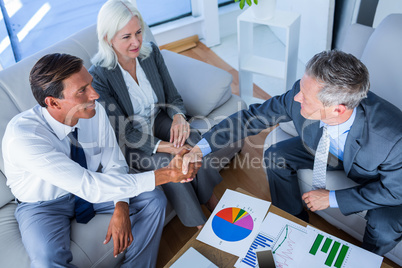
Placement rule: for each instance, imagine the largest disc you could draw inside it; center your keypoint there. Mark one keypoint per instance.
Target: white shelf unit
(250, 64)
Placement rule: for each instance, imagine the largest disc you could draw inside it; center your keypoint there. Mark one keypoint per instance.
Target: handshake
(183, 167)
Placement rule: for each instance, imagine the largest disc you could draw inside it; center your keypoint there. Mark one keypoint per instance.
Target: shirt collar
(61, 130)
(137, 66)
(336, 130)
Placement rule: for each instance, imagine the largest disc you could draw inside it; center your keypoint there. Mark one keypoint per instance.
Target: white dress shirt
(36, 152)
(338, 135)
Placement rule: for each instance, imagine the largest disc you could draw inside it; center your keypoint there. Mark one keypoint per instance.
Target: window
(28, 26)
(224, 2)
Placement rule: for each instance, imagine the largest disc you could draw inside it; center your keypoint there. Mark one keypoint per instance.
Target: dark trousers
(282, 160)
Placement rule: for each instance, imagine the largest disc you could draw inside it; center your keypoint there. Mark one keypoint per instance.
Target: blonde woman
(144, 107)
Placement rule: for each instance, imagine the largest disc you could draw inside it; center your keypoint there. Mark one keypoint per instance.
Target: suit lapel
(116, 80)
(352, 144)
(151, 72)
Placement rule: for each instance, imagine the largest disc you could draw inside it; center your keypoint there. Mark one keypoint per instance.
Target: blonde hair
(112, 17)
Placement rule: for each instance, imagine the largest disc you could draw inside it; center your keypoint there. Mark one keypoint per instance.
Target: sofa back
(380, 49)
(15, 91)
(383, 58)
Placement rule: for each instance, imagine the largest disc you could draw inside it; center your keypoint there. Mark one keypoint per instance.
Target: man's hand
(179, 131)
(194, 156)
(173, 172)
(317, 199)
(120, 229)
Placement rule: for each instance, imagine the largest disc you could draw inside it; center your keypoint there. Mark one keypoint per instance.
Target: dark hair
(344, 78)
(47, 75)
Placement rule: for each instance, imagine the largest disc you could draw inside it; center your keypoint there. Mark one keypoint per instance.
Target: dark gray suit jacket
(115, 98)
(373, 149)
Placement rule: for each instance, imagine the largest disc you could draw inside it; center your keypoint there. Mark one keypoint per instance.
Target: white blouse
(143, 98)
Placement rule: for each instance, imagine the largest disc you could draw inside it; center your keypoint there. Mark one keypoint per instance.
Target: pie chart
(232, 224)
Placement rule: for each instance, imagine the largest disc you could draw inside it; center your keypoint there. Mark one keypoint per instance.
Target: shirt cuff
(156, 147)
(127, 200)
(204, 146)
(146, 181)
(332, 200)
(182, 115)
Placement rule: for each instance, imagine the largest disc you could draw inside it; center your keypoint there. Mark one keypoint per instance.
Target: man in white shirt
(46, 181)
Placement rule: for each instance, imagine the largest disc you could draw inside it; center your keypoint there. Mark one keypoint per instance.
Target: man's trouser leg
(282, 160)
(383, 229)
(147, 215)
(45, 231)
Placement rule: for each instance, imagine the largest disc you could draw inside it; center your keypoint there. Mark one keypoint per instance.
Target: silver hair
(112, 17)
(344, 78)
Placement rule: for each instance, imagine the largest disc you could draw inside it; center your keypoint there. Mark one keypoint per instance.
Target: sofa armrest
(356, 39)
(203, 87)
(5, 192)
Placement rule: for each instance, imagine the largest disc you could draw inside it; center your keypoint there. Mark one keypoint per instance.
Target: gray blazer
(373, 149)
(115, 98)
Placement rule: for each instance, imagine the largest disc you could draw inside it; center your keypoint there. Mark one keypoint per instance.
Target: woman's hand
(167, 147)
(179, 131)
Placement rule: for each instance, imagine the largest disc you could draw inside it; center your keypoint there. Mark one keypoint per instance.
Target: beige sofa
(207, 96)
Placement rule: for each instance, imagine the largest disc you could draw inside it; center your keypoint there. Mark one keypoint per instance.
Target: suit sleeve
(173, 99)
(384, 192)
(252, 121)
(127, 136)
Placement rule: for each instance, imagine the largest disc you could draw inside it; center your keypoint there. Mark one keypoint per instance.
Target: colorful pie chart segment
(232, 224)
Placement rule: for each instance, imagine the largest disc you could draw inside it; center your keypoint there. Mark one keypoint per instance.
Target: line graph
(285, 247)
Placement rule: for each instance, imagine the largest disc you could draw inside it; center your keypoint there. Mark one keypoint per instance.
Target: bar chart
(324, 250)
(332, 248)
(297, 246)
(261, 241)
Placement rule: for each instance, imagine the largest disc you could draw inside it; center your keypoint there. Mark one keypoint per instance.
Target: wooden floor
(236, 174)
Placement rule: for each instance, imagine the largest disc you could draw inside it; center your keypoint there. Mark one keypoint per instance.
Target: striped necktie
(320, 161)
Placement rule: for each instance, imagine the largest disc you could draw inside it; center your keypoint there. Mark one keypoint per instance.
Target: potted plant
(243, 3)
(265, 9)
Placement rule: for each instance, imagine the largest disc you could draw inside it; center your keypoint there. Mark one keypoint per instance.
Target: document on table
(192, 258)
(234, 222)
(296, 246)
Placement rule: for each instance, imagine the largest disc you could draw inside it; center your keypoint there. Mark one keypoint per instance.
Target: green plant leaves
(243, 2)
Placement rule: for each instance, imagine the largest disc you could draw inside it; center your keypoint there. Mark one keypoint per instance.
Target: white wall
(317, 18)
(386, 7)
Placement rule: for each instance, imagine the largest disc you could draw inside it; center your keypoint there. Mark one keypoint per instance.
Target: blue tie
(84, 210)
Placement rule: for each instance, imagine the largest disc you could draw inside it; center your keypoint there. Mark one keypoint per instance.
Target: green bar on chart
(316, 245)
(341, 256)
(332, 254)
(326, 245)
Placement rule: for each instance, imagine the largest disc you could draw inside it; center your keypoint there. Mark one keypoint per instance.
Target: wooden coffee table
(223, 259)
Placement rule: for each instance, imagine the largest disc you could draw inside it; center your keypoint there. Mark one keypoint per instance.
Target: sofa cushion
(205, 123)
(88, 250)
(12, 250)
(5, 192)
(205, 94)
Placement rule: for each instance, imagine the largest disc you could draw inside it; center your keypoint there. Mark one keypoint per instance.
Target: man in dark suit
(365, 140)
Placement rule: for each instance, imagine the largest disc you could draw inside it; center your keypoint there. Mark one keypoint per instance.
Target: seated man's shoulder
(26, 120)
(383, 118)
